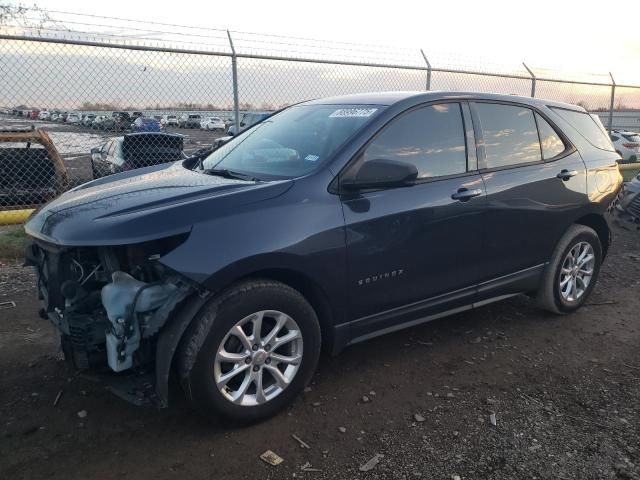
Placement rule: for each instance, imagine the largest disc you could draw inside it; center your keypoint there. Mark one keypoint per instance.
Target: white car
(74, 118)
(99, 121)
(627, 144)
(169, 121)
(44, 115)
(54, 117)
(212, 123)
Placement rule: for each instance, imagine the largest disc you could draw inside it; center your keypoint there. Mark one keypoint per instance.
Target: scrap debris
(371, 463)
(272, 458)
(492, 418)
(307, 467)
(7, 305)
(302, 443)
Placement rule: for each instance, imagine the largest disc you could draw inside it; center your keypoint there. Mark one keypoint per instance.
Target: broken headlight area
(108, 303)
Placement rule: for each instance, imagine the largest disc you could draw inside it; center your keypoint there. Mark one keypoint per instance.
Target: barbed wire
(120, 29)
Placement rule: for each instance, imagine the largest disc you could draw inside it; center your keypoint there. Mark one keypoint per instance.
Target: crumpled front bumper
(136, 331)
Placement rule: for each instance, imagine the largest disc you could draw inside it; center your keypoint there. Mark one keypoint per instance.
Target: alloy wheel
(576, 271)
(258, 358)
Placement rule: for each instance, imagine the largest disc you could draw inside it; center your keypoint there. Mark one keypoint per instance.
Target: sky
(576, 36)
(561, 40)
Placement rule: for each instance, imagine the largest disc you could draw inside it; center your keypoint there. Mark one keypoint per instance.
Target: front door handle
(464, 194)
(566, 174)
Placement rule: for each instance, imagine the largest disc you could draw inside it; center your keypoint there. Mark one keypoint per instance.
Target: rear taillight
(631, 145)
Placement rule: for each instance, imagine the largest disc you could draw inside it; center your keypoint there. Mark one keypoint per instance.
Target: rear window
(635, 138)
(587, 127)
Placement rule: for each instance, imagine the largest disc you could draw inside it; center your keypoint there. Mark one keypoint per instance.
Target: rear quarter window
(587, 127)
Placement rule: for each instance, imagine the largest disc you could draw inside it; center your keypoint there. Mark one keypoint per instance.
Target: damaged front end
(109, 305)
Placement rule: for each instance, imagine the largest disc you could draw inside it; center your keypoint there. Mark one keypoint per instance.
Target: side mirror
(95, 150)
(382, 173)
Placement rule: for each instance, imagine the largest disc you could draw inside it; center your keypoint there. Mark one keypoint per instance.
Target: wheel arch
(310, 290)
(172, 335)
(601, 227)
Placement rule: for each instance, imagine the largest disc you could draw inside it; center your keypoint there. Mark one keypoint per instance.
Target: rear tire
(241, 323)
(572, 272)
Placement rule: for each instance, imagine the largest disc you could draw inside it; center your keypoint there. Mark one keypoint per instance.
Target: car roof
(151, 134)
(390, 98)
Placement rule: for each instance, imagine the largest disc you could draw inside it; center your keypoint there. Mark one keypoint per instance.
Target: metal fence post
(428, 69)
(533, 80)
(234, 71)
(611, 105)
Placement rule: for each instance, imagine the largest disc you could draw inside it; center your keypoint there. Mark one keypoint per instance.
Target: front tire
(261, 349)
(573, 271)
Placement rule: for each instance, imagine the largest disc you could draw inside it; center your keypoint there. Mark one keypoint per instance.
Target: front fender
(169, 340)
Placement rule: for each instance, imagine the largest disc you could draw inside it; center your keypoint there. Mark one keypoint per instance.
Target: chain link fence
(76, 106)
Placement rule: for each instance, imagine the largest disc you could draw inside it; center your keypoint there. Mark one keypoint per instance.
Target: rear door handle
(464, 194)
(566, 174)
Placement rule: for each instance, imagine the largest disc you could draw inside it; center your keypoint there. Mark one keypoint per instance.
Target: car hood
(142, 205)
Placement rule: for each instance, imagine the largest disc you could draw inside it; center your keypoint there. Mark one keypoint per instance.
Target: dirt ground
(502, 392)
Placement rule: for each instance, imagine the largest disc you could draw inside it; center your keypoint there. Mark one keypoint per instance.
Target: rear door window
(510, 135)
(431, 137)
(587, 127)
(551, 143)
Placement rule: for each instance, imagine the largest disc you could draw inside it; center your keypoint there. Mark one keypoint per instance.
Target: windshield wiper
(226, 173)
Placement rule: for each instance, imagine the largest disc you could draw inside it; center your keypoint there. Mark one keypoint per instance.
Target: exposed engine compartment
(108, 303)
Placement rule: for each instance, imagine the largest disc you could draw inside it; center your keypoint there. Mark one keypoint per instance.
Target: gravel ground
(503, 392)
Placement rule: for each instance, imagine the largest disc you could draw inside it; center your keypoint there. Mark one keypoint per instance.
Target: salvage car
(136, 150)
(212, 123)
(146, 124)
(248, 120)
(87, 119)
(628, 204)
(189, 121)
(327, 224)
(169, 121)
(74, 118)
(627, 144)
(31, 169)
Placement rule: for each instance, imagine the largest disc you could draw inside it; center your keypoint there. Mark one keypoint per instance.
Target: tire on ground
(548, 296)
(219, 315)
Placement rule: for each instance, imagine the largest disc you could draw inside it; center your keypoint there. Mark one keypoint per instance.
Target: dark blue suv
(329, 223)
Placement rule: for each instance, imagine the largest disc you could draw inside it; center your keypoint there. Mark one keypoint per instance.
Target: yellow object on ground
(14, 217)
(629, 170)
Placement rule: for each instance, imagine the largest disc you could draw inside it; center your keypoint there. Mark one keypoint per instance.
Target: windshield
(293, 142)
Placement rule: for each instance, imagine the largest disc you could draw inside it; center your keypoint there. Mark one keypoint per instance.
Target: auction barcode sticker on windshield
(353, 112)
